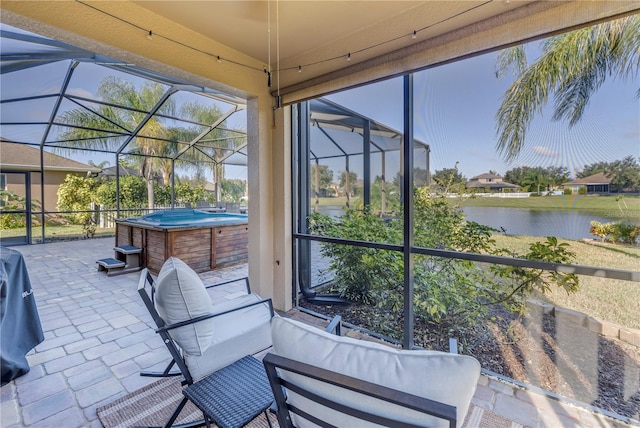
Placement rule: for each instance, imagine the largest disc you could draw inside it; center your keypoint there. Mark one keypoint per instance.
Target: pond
(522, 221)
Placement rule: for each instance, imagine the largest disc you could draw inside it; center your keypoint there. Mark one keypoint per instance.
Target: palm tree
(535, 178)
(213, 146)
(107, 126)
(125, 107)
(100, 165)
(572, 67)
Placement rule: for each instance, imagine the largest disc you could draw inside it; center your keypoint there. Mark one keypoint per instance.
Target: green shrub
(601, 230)
(361, 274)
(567, 192)
(12, 221)
(12, 201)
(133, 193)
(624, 232)
(582, 191)
(621, 231)
(76, 193)
(451, 292)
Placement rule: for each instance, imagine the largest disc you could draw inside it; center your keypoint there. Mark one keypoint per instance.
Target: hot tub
(201, 239)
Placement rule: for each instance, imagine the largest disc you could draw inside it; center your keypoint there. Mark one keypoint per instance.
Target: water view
(568, 224)
(522, 221)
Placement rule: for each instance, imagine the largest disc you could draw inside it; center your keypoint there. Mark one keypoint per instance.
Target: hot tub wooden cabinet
(202, 240)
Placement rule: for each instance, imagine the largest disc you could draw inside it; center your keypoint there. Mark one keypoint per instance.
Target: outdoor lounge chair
(205, 339)
(321, 379)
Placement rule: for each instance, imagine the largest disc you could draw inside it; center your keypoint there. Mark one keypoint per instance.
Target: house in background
(596, 183)
(490, 183)
(20, 164)
(110, 172)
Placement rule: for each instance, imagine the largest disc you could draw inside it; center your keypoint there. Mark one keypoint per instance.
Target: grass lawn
(56, 232)
(607, 206)
(606, 299)
(338, 201)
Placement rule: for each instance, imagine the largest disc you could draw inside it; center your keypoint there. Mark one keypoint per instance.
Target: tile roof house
(19, 163)
(596, 183)
(490, 182)
(110, 172)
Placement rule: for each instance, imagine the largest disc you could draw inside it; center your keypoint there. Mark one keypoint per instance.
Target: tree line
(78, 196)
(624, 175)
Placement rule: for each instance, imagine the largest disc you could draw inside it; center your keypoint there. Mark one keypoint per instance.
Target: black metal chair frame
(167, 371)
(276, 364)
(163, 330)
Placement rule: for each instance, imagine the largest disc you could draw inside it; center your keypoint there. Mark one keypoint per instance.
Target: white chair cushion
(237, 334)
(181, 296)
(439, 376)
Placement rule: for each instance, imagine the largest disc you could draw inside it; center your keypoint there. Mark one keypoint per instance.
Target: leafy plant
(133, 193)
(601, 230)
(450, 292)
(621, 231)
(361, 274)
(76, 194)
(12, 201)
(624, 232)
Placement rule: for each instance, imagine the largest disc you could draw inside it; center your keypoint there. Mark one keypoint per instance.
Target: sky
(455, 106)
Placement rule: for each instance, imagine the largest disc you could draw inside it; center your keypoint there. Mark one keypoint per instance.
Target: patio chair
(321, 379)
(205, 339)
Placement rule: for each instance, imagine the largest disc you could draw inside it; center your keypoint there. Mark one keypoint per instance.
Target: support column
(269, 204)
(282, 211)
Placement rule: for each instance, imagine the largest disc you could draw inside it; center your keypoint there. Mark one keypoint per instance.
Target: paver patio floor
(98, 337)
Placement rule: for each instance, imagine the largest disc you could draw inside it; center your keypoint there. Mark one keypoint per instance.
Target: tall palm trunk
(147, 172)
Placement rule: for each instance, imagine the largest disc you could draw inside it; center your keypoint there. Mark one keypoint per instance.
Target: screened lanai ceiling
(312, 47)
(339, 132)
(68, 100)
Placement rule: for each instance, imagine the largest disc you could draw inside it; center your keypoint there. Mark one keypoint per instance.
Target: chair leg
(194, 424)
(173, 417)
(266, 415)
(166, 373)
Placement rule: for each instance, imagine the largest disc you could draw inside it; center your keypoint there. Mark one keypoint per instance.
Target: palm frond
(572, 67)
(513, 58)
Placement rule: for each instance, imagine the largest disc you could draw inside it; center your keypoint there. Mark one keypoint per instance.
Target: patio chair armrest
(335, 326)
(245, 279)
(276, 364)
(169, 327)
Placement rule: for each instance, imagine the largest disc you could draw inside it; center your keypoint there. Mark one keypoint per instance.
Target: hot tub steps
(110, 264)
(127, 259)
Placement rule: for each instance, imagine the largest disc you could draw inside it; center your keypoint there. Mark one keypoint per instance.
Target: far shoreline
(614, 206)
